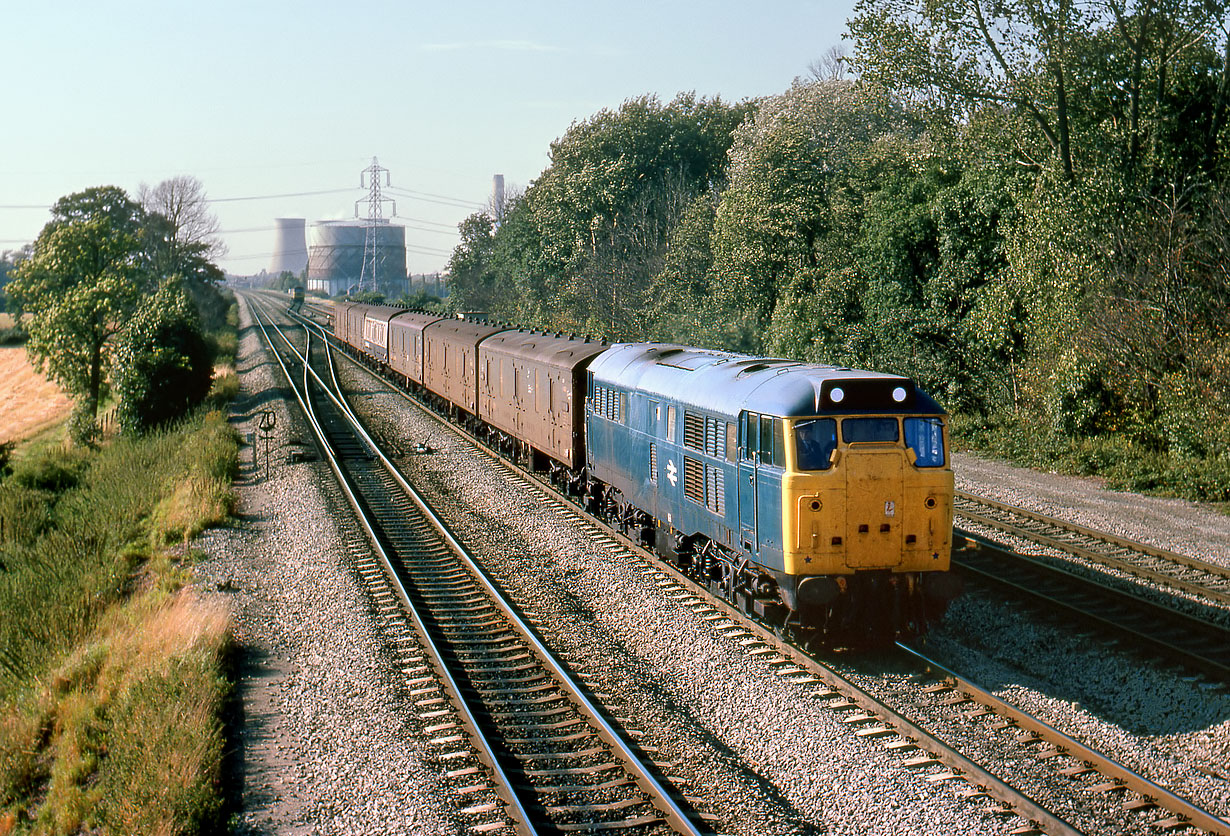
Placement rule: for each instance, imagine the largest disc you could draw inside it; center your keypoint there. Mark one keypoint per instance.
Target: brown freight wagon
(341, 320)
(532, 387)
(375, 333)
(355, 315)
(450, 360)
(406, 344)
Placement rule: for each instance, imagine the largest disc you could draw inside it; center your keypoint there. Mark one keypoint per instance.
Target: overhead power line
(273, 196)
(433, 198)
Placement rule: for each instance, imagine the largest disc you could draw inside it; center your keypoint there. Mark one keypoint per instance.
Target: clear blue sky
(259, 98)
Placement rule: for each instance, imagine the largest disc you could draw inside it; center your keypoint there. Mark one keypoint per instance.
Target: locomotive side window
(869, 429)
(925, 436)
(732, 439)
(815, 442)
(670, 423)
(772, 441)
(751, 435)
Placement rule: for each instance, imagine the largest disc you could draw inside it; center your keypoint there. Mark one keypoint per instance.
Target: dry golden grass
(29, 403)
(135, 742)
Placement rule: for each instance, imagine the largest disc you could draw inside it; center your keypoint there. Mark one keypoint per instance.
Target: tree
(789, 216)
(163, 363)
(8, 260)
(80, 285)
(471, 281)
(958, 55)
(182, 240)
(1100, 81)
(583, 243)
(191, 228)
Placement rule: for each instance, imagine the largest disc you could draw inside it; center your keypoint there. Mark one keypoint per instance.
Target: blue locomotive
(815, 496)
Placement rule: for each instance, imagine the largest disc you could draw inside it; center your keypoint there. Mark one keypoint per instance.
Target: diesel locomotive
(818, 497)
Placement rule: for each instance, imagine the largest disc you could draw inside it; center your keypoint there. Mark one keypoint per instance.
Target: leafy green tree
(163, 362)
(422, 301)
(285, 281)
(790, 217)
(592, 231)
(84, 279)
(471, 279)
(1108, 83)
(8, 260)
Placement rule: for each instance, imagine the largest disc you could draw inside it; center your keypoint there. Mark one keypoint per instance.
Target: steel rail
(1078, 595)
(1165, 556)
(1183, 809)
(503, 784)
(658, 795)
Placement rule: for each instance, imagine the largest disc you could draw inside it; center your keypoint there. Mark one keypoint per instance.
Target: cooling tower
(289, 246)
(335, 257)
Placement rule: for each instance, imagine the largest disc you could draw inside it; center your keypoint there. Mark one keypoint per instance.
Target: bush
(163, 363)
(1124, 461)
(55, 470)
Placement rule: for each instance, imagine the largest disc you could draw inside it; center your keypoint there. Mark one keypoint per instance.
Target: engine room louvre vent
(694, 431)
(609, 403)
(694, 480)
(653, 462)
(715, 437)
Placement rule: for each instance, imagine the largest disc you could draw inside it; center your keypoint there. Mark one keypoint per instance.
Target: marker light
(899, 394)
(836, 394)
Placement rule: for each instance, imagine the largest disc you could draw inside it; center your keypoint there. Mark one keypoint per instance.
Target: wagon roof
(725, 383)
(554, 350)
(414, 319)
(381, 312)
(463, 330)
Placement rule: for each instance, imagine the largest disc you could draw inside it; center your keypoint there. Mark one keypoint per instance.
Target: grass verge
(110, 671)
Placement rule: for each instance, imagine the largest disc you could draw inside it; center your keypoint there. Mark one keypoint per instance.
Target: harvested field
(29, 402)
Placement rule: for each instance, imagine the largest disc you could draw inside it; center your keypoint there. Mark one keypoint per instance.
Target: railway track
(1199, 578)
(1163, 628)
(977, 704)
(528, 748)
(873, 719)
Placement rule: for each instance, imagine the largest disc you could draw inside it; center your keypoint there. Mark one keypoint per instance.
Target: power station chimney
(497, 197)
(289, 246)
